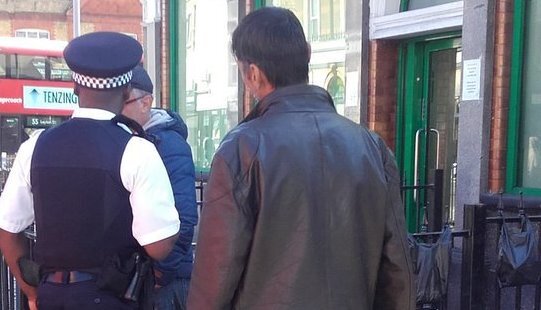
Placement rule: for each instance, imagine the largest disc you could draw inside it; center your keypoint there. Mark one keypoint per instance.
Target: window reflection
(324, 25)
(211, 80)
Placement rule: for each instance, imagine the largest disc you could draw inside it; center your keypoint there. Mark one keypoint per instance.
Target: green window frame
(516, 105)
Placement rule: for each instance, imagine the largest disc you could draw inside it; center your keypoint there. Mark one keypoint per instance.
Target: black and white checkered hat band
(102, 83)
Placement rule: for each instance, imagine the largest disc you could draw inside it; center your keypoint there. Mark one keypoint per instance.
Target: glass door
(429, 128)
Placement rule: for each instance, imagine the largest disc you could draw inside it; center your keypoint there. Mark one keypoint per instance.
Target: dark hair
(273, 39)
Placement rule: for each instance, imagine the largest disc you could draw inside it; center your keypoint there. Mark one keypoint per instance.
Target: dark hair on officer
(273, 39)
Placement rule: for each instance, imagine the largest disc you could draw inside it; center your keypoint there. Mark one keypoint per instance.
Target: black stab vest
(82, 210)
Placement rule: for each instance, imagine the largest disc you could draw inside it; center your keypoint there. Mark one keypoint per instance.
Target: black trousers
(78, 296)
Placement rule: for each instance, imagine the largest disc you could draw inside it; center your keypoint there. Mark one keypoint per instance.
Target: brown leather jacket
(302, 211)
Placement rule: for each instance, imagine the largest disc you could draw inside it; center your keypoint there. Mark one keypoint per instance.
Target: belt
(67, 277)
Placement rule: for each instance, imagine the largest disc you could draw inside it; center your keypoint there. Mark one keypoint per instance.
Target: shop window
(330, 20)
(313, 24)
(207, 75)
(524, 155)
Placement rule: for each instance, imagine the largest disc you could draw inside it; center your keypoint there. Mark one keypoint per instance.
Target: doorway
(427, 132)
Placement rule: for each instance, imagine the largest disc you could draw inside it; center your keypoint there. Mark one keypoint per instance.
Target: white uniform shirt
(142, 172)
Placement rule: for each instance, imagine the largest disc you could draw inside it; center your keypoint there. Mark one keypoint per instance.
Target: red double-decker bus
(36, 90)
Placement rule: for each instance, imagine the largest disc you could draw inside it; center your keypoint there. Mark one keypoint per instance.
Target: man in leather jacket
(302, 208)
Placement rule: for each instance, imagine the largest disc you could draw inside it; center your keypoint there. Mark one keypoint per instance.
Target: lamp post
(76, 18)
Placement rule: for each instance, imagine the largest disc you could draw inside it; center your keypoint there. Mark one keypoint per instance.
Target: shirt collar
(97, 114)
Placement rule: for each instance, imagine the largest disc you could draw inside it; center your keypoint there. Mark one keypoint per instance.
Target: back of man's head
(273, 39)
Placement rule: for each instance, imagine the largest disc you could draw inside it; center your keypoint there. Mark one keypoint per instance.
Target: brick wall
(45, 21)
(56, 6)
(109, 15)
(60, 31)
(5, 26)
(500, 94)
(382, 87)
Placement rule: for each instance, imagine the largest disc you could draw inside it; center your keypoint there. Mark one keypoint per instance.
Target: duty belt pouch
(141, 287)
(116, 274)
(30, 271)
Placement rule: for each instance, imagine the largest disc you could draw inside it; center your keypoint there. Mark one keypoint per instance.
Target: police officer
(94, 191)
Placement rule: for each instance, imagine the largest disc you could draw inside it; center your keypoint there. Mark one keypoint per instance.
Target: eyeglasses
(135, 99)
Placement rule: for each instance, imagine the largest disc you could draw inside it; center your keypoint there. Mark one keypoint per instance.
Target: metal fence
(472, 280)
(488, 220)
(427, 202)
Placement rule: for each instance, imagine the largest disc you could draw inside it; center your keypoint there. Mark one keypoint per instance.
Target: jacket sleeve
(224, 239)
(395, 285)
(177, 158)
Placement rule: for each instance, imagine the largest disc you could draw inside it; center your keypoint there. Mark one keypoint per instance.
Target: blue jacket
(169, 133)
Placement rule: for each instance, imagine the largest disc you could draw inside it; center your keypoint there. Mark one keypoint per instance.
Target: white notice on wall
(471, 80)
(352, 89)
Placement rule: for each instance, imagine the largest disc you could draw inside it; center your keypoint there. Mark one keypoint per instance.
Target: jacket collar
(300, 97)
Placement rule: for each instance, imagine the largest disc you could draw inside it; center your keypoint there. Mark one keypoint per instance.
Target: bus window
(59, 69)
(3, 66)
(30, 67)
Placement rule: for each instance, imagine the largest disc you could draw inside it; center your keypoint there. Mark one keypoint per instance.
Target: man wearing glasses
(169, 133)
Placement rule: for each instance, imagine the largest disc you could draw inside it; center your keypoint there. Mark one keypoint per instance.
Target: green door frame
(412, 109)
